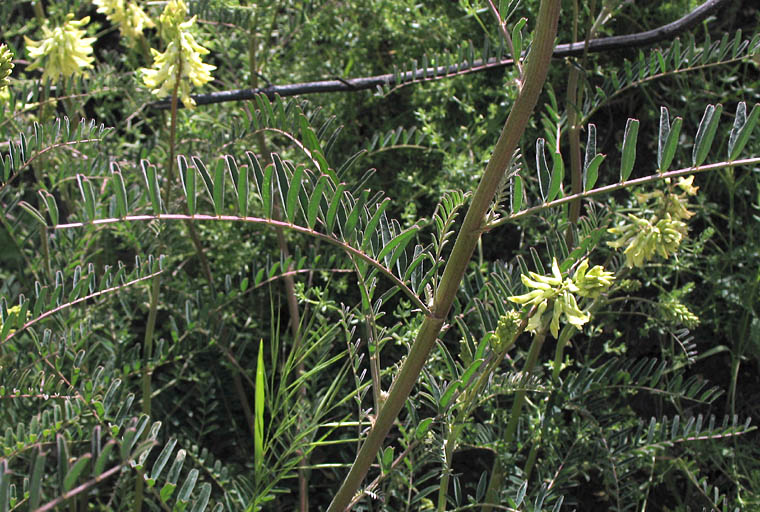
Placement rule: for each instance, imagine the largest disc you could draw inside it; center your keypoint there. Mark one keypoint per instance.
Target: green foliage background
(212, 417)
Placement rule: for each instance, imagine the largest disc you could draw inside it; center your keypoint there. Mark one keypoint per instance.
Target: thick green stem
(535, 75)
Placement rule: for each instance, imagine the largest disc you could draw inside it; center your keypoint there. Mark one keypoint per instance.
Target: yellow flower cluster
(63, 50)
(6, 66)
(554, 296)
(182, 58)
(660, 235)
(129, 16)
(506, 330)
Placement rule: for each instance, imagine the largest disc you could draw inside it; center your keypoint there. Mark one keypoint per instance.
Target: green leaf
(187, 486)
(218, 196)
(470, 371)
(166, 492)
(422, 428)
(353, 218)
(88, 196)
(205, 176)
(516, 197)
(347, 165)
(258, 410)
(240, 178)
(521, 494)
(315, 200)
(742, 129)
(111, 395)
(590, 146)
(232, 168)
(517, 38)
(203, 497)
(296, 182)
(267, 198)
(257, 171)
(151, 180)
(628, 156)
(173, 476)
(670, 145)
(119, 190)
(392, 247)
(5, 483)
(35, 482)
(663, 136)
(503, 8)
(333, 208)
(282, 178)
(558, 174)
(162, 459)
(386, 459)
(266, 108)
(592, 172)
(189, 184)
(100, 463)
(308, 136)
(543, 168)
(369, 230)
(75, 471)
(708, 126)
(34, 212)
(127, 441)
(62, 452)
(447, 395)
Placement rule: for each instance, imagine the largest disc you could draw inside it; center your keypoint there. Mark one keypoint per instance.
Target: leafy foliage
(284, 272)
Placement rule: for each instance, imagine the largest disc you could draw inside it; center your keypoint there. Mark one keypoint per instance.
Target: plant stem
(498, 474)
(156, 290)
(467, 406)
(472, 227)
(288, 281)
(572, 103)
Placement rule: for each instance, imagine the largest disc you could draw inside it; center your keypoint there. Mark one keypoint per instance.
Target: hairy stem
(472, 227)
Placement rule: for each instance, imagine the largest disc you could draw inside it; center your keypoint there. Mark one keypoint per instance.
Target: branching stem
(472, 227)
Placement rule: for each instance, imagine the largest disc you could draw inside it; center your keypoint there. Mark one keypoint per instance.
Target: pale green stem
(150, 327)
(466, 408)
(472, 227)
(574, 133)
(499, 471)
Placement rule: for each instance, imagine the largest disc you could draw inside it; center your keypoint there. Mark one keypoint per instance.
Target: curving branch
(599, 45)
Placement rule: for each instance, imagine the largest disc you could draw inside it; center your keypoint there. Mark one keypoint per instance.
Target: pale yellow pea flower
(63, 50)
(6, 66)
(129, 16)
(554, 296)
(182, 57)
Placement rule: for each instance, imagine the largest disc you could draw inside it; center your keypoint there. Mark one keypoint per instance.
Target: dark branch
(604, 44)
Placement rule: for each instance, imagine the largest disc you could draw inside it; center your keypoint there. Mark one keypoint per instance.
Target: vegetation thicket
(379, 255)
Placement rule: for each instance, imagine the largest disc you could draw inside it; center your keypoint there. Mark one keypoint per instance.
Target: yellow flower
(6, 66)
(686, 184)
(554, 296)
(506, 330)
(129, 16)
(592, 283)
(645, 239)
(63, 50)
(182, 57)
